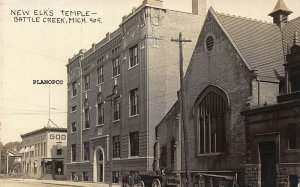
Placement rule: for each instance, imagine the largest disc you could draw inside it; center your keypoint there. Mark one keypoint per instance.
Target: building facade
(43, 153)
(237, 65)
(122, 87)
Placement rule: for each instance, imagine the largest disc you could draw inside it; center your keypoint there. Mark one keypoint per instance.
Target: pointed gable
(259, 43)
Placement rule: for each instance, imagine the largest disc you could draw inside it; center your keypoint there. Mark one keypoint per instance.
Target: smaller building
(43, 153)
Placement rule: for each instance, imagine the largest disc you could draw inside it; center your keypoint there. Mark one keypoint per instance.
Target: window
(87, 118)
(116, 147)
(134, 102)
(294, 136)
(86, 151)
(100, 113)
(85, 176)
(117, 107)
(133, 52)
(209, 43)
(134, 143)
(115, 175)
(86, 82)
(73, 128)
(45, 149)
(73, 152)
(59, 149)
(116, 66)
(74, 89)
(100, 59)
(173, 149)
(100, 76)
(211, 121)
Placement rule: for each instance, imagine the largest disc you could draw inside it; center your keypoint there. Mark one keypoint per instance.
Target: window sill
(133, 157)
(115, 76)
(292, 151)
(100, 84)
(73, 97)
(85, 91)
(73, 132)
(100, 125)
(211, 154)
(86, 129)
(131, 67)
(73, 111)
(114, 121)
(132, 116)
(118, 158)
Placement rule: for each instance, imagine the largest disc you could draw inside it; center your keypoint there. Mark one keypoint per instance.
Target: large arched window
(211, 107)
(100, 108)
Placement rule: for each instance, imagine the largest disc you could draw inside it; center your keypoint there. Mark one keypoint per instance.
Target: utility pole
(180, 40)
(110, 98)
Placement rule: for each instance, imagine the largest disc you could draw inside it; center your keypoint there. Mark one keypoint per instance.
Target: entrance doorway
(98, 165)
(268, 163)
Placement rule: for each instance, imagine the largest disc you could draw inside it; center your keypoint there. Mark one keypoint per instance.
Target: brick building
(43, 153)
(137, 65)
(237, 65)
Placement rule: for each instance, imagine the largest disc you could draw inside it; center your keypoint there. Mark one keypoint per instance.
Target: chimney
(199, 7)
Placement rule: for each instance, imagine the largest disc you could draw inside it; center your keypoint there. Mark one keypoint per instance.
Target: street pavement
(48, 183)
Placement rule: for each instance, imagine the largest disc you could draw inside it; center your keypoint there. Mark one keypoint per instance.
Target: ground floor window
(116, 175)
(85, 176)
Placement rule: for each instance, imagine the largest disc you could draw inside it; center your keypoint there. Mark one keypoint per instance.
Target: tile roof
(259, 42)
(289, 32)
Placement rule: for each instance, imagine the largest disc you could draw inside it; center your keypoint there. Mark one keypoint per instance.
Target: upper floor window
(86, 151)
(73, 127)
(86, 82)
(86, 115)
(74, 89)
(74, 108)
(134, 143)
(133, 52)
(59, 148)
(100, 108)
(294, 136)
(116, 66)
(134, 101)
(73, 152)
(211, 120)
(100, 75)
(116, 147)
(117, 108)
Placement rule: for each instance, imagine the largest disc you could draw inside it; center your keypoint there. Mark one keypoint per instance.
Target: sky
(40, 51)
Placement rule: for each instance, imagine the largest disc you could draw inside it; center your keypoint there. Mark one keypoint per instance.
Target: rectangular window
(116, 176)
(85, 176)
(74, 127)
(87, 118)
(133, 52)
(100, 59)
(59, 149)
(116, 147)
(45, 149)
(294, 136)
(74, 89)
(100, 113)
(100, 75)
(117, 107)
(73, 152)
(116, 66)
(134, 143)
(134, 102)
(86, 82)
(86, 151)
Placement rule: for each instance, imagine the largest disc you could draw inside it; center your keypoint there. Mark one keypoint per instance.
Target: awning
(31, 148)
(22, 150)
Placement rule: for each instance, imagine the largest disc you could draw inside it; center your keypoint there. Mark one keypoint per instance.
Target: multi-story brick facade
(43, 153)
(138, 64)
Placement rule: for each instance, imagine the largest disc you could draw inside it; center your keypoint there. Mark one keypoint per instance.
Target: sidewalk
(67, 183)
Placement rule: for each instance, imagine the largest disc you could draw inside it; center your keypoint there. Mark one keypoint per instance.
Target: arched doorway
(98, 164)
